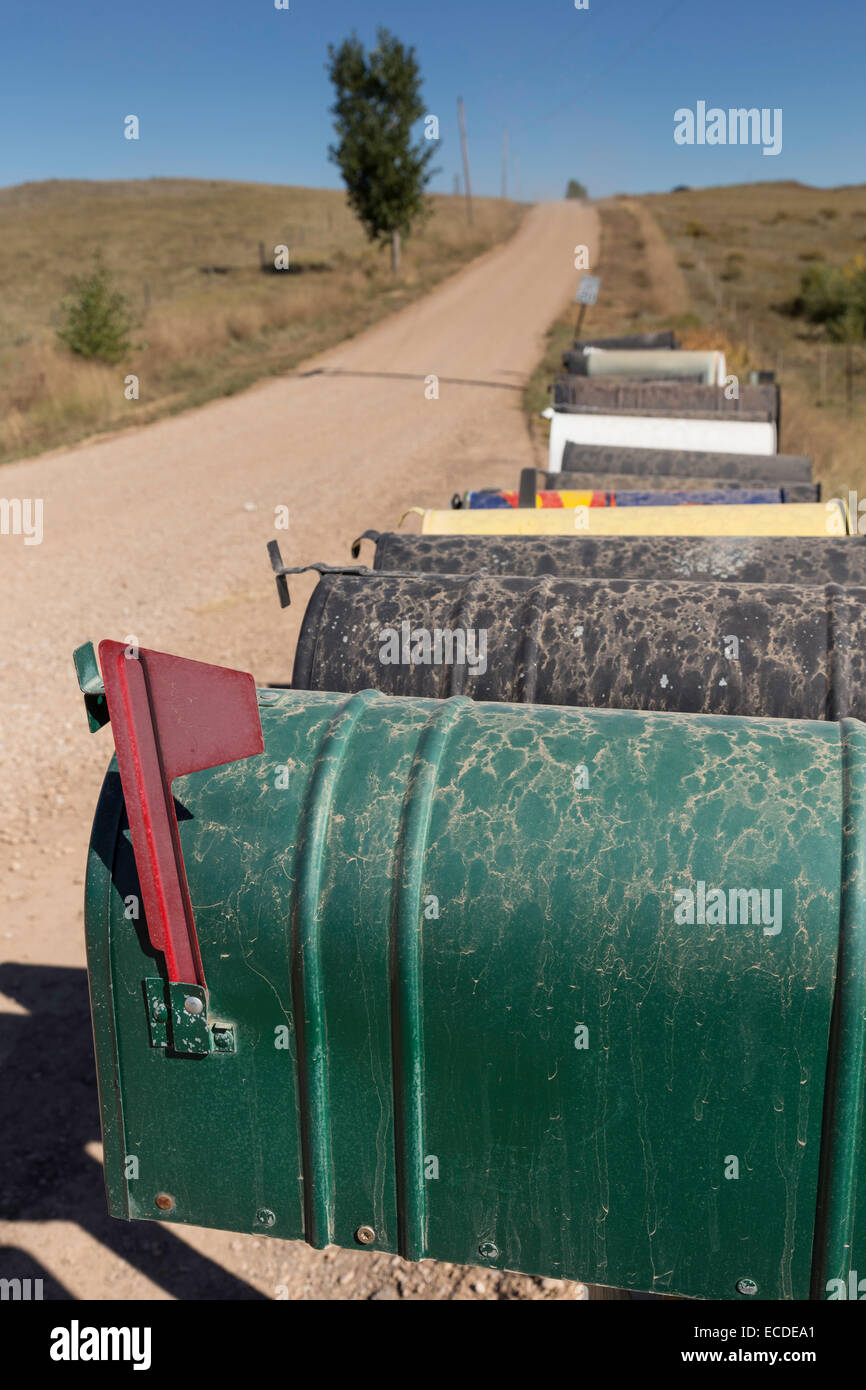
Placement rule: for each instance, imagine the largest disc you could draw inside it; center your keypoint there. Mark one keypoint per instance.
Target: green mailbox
(571, 992)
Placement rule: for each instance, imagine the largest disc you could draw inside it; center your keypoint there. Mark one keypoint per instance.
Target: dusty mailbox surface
(473, 1003)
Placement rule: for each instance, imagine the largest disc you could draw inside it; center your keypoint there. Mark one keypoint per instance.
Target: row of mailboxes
(525, 927)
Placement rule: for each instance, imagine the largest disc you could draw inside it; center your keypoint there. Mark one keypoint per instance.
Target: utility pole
(517, 178)
(504, 164)
(461, 116)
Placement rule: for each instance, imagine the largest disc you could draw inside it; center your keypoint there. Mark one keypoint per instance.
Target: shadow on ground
(48, 1114)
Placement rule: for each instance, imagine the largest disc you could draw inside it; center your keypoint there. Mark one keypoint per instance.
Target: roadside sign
(587, 289)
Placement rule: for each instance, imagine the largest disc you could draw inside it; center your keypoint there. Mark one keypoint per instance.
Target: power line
(615, 62)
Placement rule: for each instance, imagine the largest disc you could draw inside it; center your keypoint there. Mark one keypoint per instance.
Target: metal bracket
(91, 686)
(157, 1011)
(364, 536)
(281, 570)
(177, 1014)
(187, 1011)
(528, 493)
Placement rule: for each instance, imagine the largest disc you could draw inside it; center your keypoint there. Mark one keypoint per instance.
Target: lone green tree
(378, 100)
(575, 189)
(96, 320)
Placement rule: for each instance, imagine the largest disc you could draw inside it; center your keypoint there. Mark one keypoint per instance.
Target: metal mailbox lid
(670, 397)
(695, 434)
(496, 499)
(790, 651)
(758, 519)
(409, 933)
(749, 559)
(574, 358)
(741, 468)
(706, 366)
(625, 482)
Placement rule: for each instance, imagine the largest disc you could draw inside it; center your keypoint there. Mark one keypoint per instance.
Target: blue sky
(237, 89)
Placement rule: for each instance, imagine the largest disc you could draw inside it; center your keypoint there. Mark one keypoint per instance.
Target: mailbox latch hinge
(177, 1015)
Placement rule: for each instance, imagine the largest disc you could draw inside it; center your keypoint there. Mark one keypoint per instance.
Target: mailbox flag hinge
(90, 685)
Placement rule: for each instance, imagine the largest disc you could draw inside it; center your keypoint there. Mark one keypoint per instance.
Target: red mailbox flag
(171, 716)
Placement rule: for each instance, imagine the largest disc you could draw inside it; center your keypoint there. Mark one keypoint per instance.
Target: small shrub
(836, 297)
(829, 213)
(96, 319)
(696, 229)
(811, 256)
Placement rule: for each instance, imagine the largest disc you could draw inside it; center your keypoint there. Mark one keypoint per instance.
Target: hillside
(743, 251)
(186, 255)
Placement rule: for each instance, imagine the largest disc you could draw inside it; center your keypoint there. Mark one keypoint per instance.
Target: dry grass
(743, 251)
(186, 254)
(667, 291)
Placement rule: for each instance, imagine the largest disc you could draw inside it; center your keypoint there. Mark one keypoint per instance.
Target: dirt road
(160, 533)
